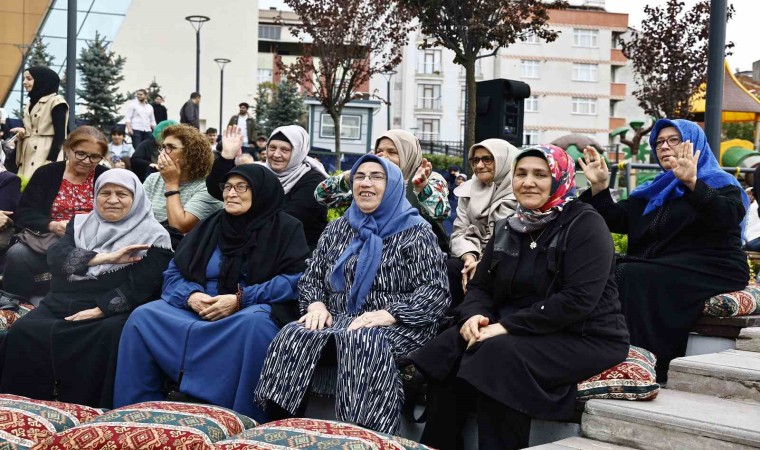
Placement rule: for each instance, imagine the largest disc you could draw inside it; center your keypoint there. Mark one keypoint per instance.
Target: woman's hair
(87, 133)
(197, 153)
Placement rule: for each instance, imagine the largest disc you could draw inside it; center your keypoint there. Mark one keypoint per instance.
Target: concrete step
(579, 443)
(749, 340)
(732, 374)
(674, 420)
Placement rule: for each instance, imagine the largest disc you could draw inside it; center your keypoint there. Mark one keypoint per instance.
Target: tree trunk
(470, 109)
(338, 154)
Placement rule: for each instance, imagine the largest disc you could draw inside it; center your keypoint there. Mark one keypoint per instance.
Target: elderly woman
(426, 190)
(540, 315)
(178, 191)
(230, 285)
(375, 287)
(684, 238)
(108, 263)
(45, 121)
(55, 193)
(299, 174)
(483, 200)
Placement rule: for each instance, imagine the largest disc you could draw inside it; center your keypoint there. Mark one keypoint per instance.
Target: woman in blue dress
(230, 286)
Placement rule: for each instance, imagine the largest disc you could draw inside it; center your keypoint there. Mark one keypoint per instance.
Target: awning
(739, 105)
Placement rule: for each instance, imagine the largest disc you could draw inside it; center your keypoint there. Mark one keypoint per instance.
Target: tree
(352, 41)
(669, 60)
(101, 74)
(264, 107)
(475, 29)
(154, 90)
(38, 55)
(287, 106)
(742, 130)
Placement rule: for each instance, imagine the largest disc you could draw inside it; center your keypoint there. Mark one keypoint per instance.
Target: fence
(448, 148)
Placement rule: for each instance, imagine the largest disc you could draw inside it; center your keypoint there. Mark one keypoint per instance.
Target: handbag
(39, 242)
(10, 301)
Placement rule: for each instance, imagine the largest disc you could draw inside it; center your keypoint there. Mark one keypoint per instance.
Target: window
(530, 137)
(530, 68)
(269, 32)
(532, 38)
(585, 72)
(585, 38)
(429, 62)
(265, 75)
(428, 129)
(463, 98)
(350, 127)
(582, 105)
(531, 104)
(429, 96)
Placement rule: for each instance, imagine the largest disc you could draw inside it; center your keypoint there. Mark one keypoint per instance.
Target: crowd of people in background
(196, 267)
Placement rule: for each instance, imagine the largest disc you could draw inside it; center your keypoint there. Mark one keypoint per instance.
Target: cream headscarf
(408, 148)
(300, 163)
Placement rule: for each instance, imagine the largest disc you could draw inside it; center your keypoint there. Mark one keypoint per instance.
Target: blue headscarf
(666, 186)
(393, 215)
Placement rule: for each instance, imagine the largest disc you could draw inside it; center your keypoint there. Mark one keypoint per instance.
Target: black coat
(160, 113)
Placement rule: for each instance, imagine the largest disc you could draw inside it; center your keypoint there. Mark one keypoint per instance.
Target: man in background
(189, 113)
(139, 119)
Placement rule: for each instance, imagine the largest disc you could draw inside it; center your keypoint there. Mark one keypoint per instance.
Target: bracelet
(239, 297)
(170, 193)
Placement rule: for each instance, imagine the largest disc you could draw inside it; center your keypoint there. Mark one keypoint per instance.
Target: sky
(738, 30)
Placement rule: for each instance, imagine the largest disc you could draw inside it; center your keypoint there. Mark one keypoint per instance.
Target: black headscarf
(46, 82)
(256, 246)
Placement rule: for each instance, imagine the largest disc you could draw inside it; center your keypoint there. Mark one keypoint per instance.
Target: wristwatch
(170, 193)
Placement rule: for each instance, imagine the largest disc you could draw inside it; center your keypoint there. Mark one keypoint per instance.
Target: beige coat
(473, 229)
(38, 126)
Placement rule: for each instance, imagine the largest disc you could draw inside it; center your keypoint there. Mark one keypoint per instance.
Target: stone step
(579, 443)
(674, 420)
(749, 340)
(732, 374)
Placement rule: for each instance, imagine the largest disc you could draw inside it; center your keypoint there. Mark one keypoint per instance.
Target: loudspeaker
(500, 110)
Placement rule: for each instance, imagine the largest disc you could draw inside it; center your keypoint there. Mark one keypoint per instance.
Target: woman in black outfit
(540, 315)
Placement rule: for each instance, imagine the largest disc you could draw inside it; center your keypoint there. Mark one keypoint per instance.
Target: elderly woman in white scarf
(483, 200)
(288, 157)
(109, 262)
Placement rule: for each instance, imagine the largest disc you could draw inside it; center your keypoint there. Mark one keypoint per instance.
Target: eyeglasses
(81, 156)
(487, 160)
(239, 188)
(374, 178)
(672, 141)
(168, 148)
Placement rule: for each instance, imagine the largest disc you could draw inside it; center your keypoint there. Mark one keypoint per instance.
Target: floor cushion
(9, 317)
(313, 434)
(632, 379)
(740, 303)
(153, 425)
(25, 422)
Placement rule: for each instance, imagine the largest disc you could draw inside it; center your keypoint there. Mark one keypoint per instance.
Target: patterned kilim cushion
(154, 426)
(740, 303)
(311, 434)
(632, 379)
(8, 317)
(24, 422)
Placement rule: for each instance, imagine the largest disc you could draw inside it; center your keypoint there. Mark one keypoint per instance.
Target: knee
(17, 254)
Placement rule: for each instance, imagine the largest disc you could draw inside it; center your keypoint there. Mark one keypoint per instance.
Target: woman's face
(114, 202)
(174, 149)
(459, 181)
(84, 157)
(117, 139)
(667, 140)
(484, 166)
(387, 150)
(532, 182)
(278, 155)
(28, 81)
(368, 186)
(237, 203)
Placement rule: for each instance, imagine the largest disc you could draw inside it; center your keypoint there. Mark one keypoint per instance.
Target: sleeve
(586, 267)
(426, 264)
(718, 209)
(10, 193)
(152, 118)
(278, 289)
(34, 209)
(614, 214)
(187, 112)
(461, 240)
(479, 298)
(218, 170)
(435, 199)
(312, 287)
(59, 130)
(176, 290)
(194, 118)
(150, 185)
(302, 204)
(65, 259)
(333, 192)
(201, 204)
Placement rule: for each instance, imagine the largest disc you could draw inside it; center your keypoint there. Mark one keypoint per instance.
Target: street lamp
(197, 22)
(389, 74)
(221, 62)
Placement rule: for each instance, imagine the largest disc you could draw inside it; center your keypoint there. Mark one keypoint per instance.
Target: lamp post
(197, 23)
(221, 62)
(388, 74)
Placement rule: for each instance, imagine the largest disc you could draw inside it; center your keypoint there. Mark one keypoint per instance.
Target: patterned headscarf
(563, 191)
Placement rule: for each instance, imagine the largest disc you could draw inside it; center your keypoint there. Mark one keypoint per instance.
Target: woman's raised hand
(685, 165)
(232, 142)
(170, 172)
(420, 178)
(595, 169)
(317, 317)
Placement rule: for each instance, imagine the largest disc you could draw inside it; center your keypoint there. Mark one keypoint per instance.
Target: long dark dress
(49, 358)
(679, 255)
(561, 328)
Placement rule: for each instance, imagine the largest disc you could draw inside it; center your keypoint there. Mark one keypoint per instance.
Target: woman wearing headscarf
(684, 238)
(540, 315)
(45, 121)
(225, 294)
(484, 199)
(374, 290)
(299, 174)
(108, 263)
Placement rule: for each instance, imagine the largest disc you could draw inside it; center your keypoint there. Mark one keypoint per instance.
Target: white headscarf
(139, 226)
(300, 163)
(408, 148)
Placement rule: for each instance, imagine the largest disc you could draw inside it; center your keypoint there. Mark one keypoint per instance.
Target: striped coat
(411, 284)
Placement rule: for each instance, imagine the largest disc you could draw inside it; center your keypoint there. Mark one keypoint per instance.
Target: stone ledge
(749, 340)
(728, 327)
(579, 443)
(731, 374)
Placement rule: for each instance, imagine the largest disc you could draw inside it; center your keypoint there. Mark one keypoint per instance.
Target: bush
(441, 163)
(621, 243)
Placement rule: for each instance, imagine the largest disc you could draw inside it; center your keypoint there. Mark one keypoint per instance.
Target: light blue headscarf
(393, 215)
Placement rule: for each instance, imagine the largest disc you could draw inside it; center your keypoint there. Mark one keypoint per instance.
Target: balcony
(617, 91)
(617, 58)
(617, 122)
(429, 69)
(428, 104)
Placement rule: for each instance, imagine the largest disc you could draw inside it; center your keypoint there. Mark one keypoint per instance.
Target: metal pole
(71, 62)
(221, 100)
(388, 106)
(715, 55)
(198, 60)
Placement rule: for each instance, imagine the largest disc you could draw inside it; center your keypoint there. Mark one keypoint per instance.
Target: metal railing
(436, 147)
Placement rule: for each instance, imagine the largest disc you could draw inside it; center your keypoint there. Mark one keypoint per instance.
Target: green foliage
(621, 243)
(39, 55)
(154, 90)
(24, 182)
(744, 131)
(264, 94)
(101, 74)
(286, 108)
(336, 213)
(442, 162)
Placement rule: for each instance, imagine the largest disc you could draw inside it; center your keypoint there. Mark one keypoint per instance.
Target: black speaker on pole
(500, 110)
